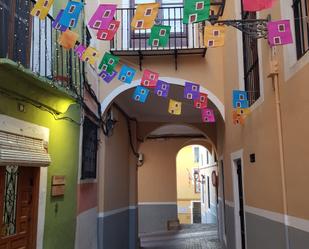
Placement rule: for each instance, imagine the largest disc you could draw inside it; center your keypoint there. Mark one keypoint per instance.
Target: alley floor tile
(198, 236)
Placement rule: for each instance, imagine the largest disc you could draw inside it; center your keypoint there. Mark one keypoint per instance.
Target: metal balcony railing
(33, 43)
(184, 39)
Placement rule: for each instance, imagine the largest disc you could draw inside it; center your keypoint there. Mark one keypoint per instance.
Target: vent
(22, 151)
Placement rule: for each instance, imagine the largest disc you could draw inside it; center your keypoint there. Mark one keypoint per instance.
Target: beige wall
(262, 180)
(117, 174)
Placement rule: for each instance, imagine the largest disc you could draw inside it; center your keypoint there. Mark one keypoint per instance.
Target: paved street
(189, 237)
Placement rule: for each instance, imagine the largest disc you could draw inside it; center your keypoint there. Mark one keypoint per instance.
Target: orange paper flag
(68, 39)
(145, 16)
(214, 36)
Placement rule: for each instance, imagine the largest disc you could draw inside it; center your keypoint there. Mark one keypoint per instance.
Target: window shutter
(22, 151)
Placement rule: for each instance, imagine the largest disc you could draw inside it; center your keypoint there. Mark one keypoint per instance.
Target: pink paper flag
(103, 16)
(257, 5)
(109, 33)
(208, 115)
(150, 79)
(279, 33)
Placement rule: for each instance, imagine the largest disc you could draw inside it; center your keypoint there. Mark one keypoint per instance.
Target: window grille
(301, 15)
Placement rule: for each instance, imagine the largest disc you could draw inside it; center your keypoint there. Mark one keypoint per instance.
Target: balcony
(184, 39)
(29, 45)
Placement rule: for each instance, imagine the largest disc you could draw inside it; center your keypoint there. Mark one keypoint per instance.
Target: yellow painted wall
(185, 184)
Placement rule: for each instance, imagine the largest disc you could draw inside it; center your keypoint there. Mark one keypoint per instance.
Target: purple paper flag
(79, 50)
(162, 88)
(103, 16)
(279, 33)
(106, 76)
(191, 91)
(208, 115)
(56, 25)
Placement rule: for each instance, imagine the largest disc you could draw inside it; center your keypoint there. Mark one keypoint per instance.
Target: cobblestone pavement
(197, 236)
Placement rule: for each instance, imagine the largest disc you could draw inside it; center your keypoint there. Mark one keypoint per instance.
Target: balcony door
(15, 30)
(18, 207)
(171, 14)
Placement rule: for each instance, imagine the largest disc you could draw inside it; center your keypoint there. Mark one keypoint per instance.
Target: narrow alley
(155, 124)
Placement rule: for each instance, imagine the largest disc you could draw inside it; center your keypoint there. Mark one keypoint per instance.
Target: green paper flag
(108, 62)
(196, 11)
(159, 36)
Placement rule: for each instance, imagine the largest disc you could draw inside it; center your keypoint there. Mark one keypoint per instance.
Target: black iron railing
(301, 15)
(33, 43)
(183, 36)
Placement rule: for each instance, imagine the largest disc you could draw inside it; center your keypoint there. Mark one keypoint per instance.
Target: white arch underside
(174, 81)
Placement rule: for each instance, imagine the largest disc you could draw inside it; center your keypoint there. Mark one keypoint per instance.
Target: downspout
(274, 75)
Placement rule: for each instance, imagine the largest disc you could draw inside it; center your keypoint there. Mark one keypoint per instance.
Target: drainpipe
(274, 75)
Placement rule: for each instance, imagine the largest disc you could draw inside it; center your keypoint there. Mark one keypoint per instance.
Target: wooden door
(19, 201)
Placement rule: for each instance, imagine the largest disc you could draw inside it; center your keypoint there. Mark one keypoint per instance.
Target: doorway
(18, 207)
(196, 212)
(239, 211)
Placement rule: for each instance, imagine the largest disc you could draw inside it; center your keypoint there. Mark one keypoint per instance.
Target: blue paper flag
(70, 15)
(140, 94)
(126, 74)
(240, 99)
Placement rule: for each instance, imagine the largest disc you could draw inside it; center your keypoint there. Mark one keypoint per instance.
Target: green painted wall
(60, 217)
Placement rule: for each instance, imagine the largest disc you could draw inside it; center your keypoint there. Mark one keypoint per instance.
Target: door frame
(235, 156)
(222, 207)
(19, 127)
(192, 210)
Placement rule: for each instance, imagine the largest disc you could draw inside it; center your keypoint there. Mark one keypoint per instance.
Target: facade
(98, 169)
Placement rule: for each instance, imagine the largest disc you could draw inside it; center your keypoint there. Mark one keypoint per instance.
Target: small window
(148, 12)
(199, 6)
(162, 32)
(196, 151)
(97, 24)
(72, 22)
(301, 14)
(155, 42)
(103, 36)
(193, 18)
(45, 3)
(107, 13)
(146, 82)
(72, 8)
(90, 145)
(139, 24)
(111, 61)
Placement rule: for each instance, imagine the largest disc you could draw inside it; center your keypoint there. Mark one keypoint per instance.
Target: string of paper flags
(104, 23)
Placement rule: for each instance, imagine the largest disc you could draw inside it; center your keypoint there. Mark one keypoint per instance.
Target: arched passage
(149, 190)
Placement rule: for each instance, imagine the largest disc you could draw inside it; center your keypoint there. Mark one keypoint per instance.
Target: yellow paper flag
(174, 107)
(90, 55)
(214, 36)
(41, 8)
(68, 39)
(244, 112)
(145, 16)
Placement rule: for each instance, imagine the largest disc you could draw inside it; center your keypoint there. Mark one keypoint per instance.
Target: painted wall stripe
(157, 203)
(115, 211)
(291, 221)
